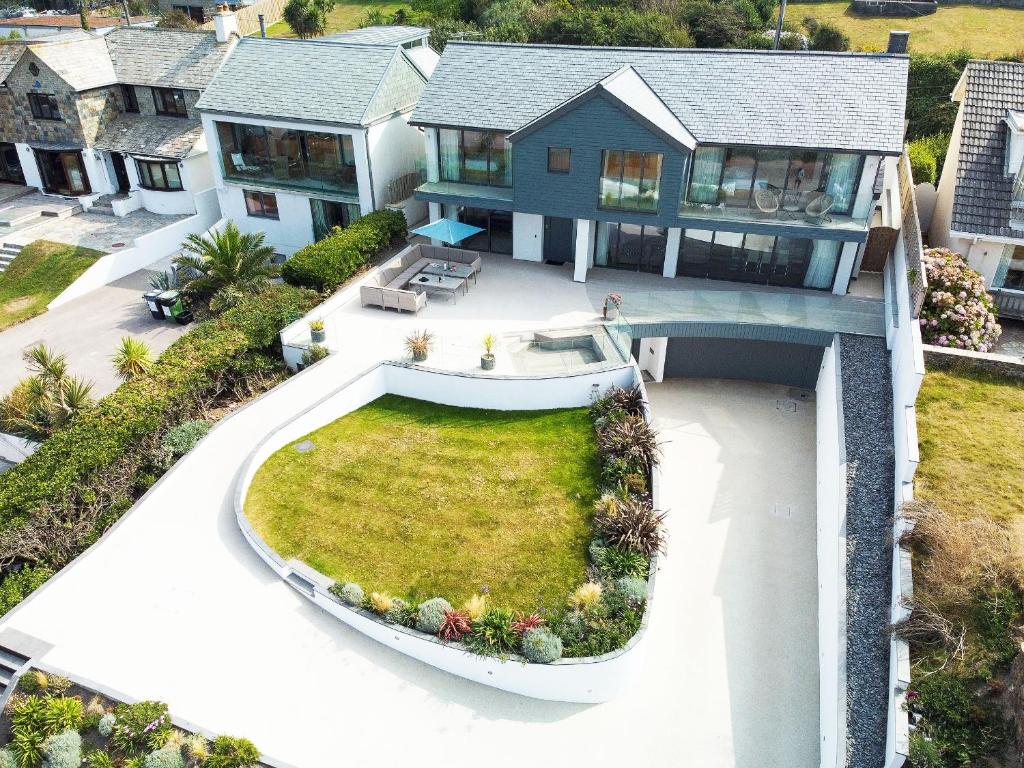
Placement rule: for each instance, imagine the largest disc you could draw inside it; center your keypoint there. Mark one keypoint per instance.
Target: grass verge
(37, 276)
(344, 16)
(423, 500)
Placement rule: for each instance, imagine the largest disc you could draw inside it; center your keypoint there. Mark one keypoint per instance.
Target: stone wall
(945, 359)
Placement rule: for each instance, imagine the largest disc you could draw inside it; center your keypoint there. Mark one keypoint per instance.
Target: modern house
(32, 27)
(979, 210)
(115, 116)
(306, 135)
(756, 167)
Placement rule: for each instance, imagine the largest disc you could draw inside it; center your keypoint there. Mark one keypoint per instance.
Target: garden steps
(11, 663)
(7, 253)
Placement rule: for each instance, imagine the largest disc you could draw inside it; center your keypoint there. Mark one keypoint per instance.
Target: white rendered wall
(653, 352)
(182, 202)
(528, 236)
(942, 216)
(585, 231)
(847, 258)
(29, 166)
(831, 538)
(984, 256)
(291, 231)
(396, 148)
(866, 191)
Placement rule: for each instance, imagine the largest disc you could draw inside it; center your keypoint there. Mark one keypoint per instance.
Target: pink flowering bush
(957, 310)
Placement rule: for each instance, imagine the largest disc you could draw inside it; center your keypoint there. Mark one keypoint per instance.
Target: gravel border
(870, 470)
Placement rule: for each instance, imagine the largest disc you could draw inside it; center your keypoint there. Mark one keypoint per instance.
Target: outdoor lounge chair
(817, 210)
(766, 201)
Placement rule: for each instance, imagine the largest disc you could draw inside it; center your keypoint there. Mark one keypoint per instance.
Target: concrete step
(104, 209)
(61, 211)
(11, 660)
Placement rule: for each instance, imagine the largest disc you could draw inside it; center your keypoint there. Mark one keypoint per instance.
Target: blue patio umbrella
(447, 231)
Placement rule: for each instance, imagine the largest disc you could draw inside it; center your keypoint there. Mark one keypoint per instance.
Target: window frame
(160, 101)
(130, 99)
(462, 159)
(261, 196)
(35, 105)
(568, 159)
(147, 180)
(640, 180)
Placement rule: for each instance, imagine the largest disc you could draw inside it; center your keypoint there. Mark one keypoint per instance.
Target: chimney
(263, 25)
(898, 41)
(225, 23)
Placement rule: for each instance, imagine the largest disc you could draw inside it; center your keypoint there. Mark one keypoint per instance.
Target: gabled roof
(150, 135)
(169, 58)
(82, 64)
(633, 95)
(792, 99)
(990, 92)
(394, 34)
(10, 52)
(313, 81)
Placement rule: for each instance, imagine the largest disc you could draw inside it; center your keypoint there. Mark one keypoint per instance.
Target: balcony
(466, 191)
(792, 212)
(328, 178)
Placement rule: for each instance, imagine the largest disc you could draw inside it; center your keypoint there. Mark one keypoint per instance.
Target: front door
(63, 173)
(558, 245)
(120, 172)
(10, 164)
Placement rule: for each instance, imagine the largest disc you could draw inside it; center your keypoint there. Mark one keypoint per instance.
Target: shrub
(615, 562)
(165, 757)
(629, 400)
(586, 596)
(401, 613)
(7, 758)
(631, 525)
(28, 731)
(829, 37)
(541, 645)
(314, 354)
(525, 623)
(95, 707)
(63, 750)
(106, 724)
(380, 602)
(98, 759)
(923, 164)
(182, 438)
(140, 727)
(963, 727)
(63, 714)
(592, 634)
(474, 607)
(232, 752)
(326, 264)
(57, 685)
(349, 593)
(33, 681)
(630, 439)
(197, 748)
(454, 625)
(430, 615)
(957, 311)
(633, 590)
(493, 633)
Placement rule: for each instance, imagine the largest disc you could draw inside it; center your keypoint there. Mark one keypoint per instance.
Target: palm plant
(132, 358)
(47, 399)
(225, 265)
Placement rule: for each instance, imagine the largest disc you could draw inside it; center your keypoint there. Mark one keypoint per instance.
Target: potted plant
(317, 333)
(612, 302)
(419, 345)
(487, 358)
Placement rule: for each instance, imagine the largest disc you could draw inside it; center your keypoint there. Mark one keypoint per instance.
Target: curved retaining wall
(581, 680)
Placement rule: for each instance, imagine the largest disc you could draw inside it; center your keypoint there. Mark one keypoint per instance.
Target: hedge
(922, 162)
(326, 264)
(95, 462)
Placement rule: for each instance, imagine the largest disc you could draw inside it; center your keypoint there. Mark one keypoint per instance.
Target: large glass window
(630, 180)
(44, 106)
(497, 230)
(170, 102)
(733, 177)
(131, 101)
(754, 258)
(636, 247)
(162, 176)
(261, 204)
(475, 157)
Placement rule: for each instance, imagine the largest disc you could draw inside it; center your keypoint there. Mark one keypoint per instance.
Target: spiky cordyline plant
(455, 626)
(631, 524)
(47, 399)
(632, 439)
(524, 622)
(132, 358)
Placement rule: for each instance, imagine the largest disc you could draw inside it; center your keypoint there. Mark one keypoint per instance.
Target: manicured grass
(985, 31)
(37, 276)
(971, 433)
(422, 500)
(345, 15)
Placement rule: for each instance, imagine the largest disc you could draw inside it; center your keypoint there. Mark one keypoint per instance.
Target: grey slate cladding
(165, 58)
(870, 487)
(821, 100)
(308, 80)
(981, 201)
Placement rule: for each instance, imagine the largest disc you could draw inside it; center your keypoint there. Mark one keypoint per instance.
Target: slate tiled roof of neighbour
(981, 201)
(10, 52)
(307, 80)
(82, 64)
(382, 35)
(73, 21)
(170, 58)
(820, 100)
(157, 136)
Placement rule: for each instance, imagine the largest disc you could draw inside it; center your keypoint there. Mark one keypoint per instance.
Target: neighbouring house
(306, 135)
(396, 34)
(32, 27)
(754, 167)
(200, 11)
(111, 120)
(979, 210)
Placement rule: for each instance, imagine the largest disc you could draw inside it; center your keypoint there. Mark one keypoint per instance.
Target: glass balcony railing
(328, 178)
(799, 210)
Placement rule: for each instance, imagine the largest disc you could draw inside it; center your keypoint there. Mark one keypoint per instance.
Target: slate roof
(795, 99)
(154, 136)
(74, 22)
(82, 64)
(395, 34)
(308, 80)
(10, 52)
(981, 200)
(170, 58)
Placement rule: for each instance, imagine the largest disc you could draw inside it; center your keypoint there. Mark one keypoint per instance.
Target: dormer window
(1014, 146)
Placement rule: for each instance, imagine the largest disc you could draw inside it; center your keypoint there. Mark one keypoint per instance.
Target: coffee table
(437, 284)
(463, 271)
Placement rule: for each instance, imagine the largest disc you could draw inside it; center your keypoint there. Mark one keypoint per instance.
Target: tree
(714, 24)
(83, 15)
(225, 265)
(47, 399)
(176, 20)
(307, 18)
(132, 358)
(829, 37)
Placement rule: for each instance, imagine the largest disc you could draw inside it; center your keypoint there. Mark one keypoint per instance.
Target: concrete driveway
(88, 330)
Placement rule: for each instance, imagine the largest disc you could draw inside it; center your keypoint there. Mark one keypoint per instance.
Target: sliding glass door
(63, 173)
(634, 247)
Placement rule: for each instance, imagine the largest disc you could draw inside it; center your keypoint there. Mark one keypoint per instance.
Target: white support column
(584, 248)
(671, 251)
(847, 256)
(652, 356)
(434, 213)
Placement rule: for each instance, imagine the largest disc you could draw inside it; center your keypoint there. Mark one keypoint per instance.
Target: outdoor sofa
(388, 288)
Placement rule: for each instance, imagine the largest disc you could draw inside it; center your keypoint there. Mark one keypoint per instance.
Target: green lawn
(422, 500)
(37, 276)
(971, 433)
(985, 31)
(345, 16)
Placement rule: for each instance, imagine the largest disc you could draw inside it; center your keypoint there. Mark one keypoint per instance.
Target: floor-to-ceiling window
(639, 248)
(1010, 273)
(475, 157)
(63, 173)
(328, 214)
(630, 181)
(497, 230)
(753, 258)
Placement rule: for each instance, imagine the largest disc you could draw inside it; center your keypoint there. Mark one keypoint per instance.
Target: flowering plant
(957, 310)
(615, 299)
